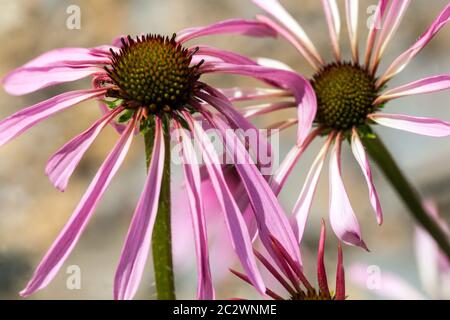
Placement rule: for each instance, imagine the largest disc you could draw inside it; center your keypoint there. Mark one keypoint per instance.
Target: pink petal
(363, 161)
(321, 272)
(423, 126)
(391, 23)
(303, 205)
(351, 10)
(272, 221)
(342, 219)
(299, 86)
(62, 164)
(244, 94)
(237, 229)
(67, 239)
(137, 245)
(26, 80)
(422, 86)
(334, 24)
(340, 275)
(69, 56)
(104, 50)
(17, 123)
(205, 289)
(119, 127)
(276, 10)
(402, 61)
(233, 26)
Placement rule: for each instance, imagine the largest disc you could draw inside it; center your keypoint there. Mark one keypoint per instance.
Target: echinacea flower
(151, 83)
(350, 99)
(293, 280)
(432, 264)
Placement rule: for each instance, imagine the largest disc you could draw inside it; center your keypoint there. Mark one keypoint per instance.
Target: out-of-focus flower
(221, 254)
(433, 267)
(350, 98)
(291, 277)
(152, 83)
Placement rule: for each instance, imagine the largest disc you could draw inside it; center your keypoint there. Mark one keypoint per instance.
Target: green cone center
(345, 95)
(154, 72)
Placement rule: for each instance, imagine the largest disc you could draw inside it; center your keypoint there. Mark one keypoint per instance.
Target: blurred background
(33, 212)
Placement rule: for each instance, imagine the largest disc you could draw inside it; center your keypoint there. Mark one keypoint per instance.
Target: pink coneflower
(152, 83)
(350, 99)
(293, 280)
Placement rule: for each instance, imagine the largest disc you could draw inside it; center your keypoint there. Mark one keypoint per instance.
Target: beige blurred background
(32, 211)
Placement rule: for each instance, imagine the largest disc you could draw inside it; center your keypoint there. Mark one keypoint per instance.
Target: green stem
(407, 192)
(162, 237)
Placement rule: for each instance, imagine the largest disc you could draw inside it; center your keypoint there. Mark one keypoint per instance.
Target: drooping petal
(391, 23)
(62, 164)
(19, 122)
(321, 272)
(363, 161)
(351, 10)
(303, 205)
(137, 245)
(334, 25)
(402, 61)
(340, 275)
(299, 86)
(342, 218)
(70, 56)
(205, 289)
(67, 239)
(240, 238)
(233, 26)
(272, 221)
(276, 10)
(26, 80)
(422, 86)
(298, 45)
(423, 126)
